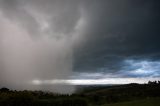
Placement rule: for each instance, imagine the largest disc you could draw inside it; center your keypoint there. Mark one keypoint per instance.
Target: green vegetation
(145, 102)
(117, 95)
(39, 98)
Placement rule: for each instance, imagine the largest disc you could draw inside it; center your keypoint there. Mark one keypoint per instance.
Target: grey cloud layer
(119, 30)
(61, 36)
(36, 42)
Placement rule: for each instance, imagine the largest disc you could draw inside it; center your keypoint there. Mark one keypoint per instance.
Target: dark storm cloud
(41, 40)
(117, 31)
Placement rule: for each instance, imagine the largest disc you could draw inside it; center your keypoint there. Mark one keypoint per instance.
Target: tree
(4, 89)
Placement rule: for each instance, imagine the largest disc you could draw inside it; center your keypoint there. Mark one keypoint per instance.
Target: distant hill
(120, 93)
(95, 95)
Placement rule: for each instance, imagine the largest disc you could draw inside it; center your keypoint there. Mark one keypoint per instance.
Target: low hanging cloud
(36, 44)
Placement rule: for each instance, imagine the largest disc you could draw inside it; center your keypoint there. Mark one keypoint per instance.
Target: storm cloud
(119, 31)
(36, 44)
(63, 39)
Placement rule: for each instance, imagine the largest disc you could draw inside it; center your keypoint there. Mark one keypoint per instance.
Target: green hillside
(145, 102)
(117, 95)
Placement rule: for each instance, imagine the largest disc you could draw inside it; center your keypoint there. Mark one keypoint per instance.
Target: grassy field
(145, 102)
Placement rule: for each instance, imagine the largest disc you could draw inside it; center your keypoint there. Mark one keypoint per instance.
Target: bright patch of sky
(141, 68)
(103, 81)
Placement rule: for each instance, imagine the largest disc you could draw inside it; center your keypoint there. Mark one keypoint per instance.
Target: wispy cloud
(142, 68)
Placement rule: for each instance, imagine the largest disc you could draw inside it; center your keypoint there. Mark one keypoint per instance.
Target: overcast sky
(42, 40)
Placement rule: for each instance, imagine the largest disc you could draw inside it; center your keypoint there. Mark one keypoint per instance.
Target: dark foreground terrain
(117, 95)
(144, 102)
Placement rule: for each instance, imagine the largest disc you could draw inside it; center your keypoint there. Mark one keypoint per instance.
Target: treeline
(38, 98)
(91, 96)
